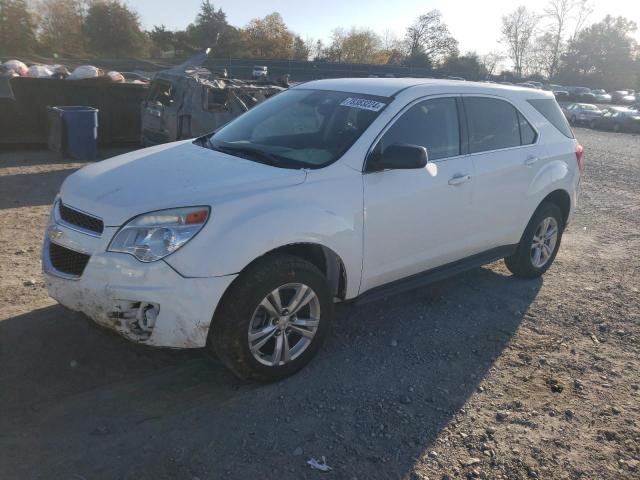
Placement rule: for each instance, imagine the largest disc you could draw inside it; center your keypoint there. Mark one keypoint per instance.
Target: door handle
(531, 160)
(459, 179)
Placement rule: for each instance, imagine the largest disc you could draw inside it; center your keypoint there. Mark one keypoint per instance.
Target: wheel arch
(562, 199)
(323, 257)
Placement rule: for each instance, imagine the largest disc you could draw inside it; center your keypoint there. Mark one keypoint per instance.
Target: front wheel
(273, 320)
(539, 243)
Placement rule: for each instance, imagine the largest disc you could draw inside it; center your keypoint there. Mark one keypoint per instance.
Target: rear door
(506, 157)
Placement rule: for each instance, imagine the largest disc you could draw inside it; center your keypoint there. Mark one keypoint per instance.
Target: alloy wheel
(284, 324)
(544, 242)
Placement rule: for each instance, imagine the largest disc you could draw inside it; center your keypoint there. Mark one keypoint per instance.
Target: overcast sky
(476, 24)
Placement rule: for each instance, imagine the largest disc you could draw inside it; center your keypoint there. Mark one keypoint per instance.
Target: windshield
(299, 128)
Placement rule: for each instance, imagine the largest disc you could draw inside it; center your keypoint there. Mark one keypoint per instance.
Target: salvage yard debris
(16, 68)
(189, 101)
(316, 465)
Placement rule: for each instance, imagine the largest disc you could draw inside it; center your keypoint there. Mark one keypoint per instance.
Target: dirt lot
(481, 376)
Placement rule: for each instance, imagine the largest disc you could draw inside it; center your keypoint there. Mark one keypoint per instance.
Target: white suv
(242, 240)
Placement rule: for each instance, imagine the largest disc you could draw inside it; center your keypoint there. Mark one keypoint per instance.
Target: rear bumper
(114, 289)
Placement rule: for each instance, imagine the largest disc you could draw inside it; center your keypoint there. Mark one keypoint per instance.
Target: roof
(388, 87)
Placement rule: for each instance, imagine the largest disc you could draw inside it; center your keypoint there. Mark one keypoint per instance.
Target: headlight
(152, 236)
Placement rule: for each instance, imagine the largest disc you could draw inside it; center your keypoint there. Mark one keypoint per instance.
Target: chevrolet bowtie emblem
(54, 232)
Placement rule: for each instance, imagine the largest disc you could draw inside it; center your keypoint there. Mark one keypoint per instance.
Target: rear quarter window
(550, 110)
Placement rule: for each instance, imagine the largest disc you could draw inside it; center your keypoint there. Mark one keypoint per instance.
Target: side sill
(436, 274)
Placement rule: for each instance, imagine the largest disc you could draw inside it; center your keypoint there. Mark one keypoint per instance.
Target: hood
(177, 174)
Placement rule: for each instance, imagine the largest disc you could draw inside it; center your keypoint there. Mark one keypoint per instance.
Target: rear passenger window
(493, 124)
(432, 124)
(527, 133)
(550, 110)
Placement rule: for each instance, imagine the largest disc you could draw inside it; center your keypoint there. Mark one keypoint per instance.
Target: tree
(558, 12)
(603, 55)
(428, 39)
(318, 51)
(539, 59)
(467, 66)
(113, 29)
(301, 48)
(393, 49)
(360, 46)
(61, 26)
(211, 30)
(335, 51)
(162, 40)
(17, 28)
(491, 61)
(583, 11)
(518, 28)
(268, 37)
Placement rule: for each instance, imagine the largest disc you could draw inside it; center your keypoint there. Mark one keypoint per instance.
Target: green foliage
(467, 66)
(604, 54)
(61, 26)
(112, 29)
(17, 28)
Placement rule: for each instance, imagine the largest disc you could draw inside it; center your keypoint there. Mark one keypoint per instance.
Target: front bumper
(115, 287)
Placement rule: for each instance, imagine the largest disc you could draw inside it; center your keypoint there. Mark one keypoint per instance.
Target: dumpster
(74, 131)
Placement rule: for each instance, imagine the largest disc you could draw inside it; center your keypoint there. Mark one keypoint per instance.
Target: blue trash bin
(80, 131)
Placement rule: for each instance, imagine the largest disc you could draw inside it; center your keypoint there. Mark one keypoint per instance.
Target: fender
(554, 175)
(242, 229)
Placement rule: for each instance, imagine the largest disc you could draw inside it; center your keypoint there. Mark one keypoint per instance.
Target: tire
(242, 309)
(522, 262)
(572, 120)
(593, 124)
(616, 128)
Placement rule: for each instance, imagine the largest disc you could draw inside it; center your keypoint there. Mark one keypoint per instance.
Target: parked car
(535, 84)
(623, 97)
(618, 119)
(581, 94)
(601, 96)
(581, 113)
(260, 71)
(241, 241)
(526, 85)
(561, 93)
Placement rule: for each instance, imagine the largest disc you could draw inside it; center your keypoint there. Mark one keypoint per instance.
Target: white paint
(383, 226)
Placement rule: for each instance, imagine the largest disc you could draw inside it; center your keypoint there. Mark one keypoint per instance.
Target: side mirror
(398, 156)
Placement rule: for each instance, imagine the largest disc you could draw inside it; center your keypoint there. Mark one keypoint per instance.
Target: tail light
(579, 157)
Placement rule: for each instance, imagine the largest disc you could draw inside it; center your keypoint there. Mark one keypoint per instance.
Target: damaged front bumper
(149, 303)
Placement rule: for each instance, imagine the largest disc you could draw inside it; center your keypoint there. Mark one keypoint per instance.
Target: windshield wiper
(254, 153)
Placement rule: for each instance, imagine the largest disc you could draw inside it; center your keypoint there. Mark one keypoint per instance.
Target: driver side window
(432, 124)
(299, 120)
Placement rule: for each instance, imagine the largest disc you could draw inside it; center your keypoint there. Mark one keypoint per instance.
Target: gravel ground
(480, 376)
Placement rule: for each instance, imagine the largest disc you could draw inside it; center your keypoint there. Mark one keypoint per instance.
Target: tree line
(556, 44)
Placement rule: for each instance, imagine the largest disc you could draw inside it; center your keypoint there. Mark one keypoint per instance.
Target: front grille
(67, 261)
(79, 219)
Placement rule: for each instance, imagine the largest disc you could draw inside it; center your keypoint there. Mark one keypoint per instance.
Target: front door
(418, 219)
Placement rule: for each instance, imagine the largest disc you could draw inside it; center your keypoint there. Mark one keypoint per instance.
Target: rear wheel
(273, 320)
(539, 243)
(572, 120)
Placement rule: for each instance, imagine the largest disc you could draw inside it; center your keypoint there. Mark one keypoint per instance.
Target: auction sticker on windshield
(363, 103)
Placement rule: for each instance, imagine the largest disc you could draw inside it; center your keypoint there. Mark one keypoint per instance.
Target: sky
(476, 24)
